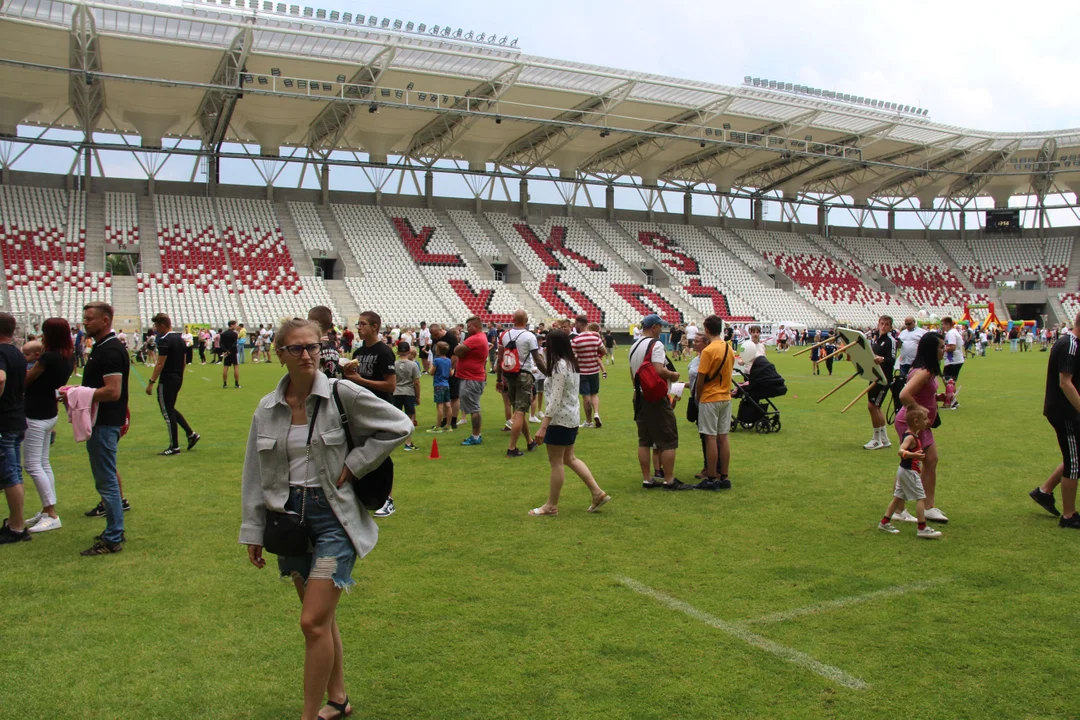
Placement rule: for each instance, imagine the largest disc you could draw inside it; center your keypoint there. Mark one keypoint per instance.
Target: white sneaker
(935, 515)
(509, 424)
(884, 443)
(45, 524)
(928, 533)
(35, 520)
(887, 527)
(904, 516)
(534, 419)
(874, 444)
(586, 425)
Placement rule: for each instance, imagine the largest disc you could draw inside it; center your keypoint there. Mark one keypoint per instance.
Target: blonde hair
(593, 327)
(920, 413)
(291, 325)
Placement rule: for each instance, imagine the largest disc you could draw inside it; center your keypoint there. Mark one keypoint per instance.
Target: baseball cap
(650, 320)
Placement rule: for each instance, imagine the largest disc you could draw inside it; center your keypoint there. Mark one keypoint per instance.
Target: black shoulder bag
(692, 408)
(372, 490)
(285, 533)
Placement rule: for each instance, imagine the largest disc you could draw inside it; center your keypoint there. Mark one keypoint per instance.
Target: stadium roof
(262, 75)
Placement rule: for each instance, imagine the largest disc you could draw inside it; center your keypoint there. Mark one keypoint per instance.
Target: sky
(985, 66)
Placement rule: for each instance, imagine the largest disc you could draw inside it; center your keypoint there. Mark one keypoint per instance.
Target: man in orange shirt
(713, 393)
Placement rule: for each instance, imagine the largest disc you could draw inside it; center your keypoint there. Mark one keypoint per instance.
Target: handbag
(372, 490)
(285, 533)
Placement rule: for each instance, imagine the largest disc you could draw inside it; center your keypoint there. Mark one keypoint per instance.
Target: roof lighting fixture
(288, 83)
(386, 92)
(281, 8)
(248, 78)
(294, 9)
(458, 34)
(308, 12)
(708, 131)
(702, 143)
(808, 138)
(604, 133)
(360, 19)
(334, 16)
(341, 78)
(321, 14)
(262, 80)
(346, 18)
(498, 120)
(422, 96)
(397, 24)
(276, 72)
(373, 108)
(372, 21)
(301, 84)
(327, 87)
(386, 22)
(727, 126)
(421, 28)
(470, 35)
(409, 26)
(409, 86)
(268, 6)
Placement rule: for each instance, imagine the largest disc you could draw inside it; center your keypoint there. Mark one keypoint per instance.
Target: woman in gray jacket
(283, 472)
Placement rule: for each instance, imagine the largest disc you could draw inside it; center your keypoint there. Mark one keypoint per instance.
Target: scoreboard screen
(1003, 221)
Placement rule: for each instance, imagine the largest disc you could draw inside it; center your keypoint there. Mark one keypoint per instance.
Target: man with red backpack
(519, 352)
(652, 372)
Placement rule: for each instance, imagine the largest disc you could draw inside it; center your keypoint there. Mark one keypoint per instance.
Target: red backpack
(511, 359)
(647, 380)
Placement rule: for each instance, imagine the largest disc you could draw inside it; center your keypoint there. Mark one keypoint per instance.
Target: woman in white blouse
(558, 431)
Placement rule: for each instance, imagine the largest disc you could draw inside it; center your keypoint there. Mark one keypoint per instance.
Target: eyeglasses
(297, 350)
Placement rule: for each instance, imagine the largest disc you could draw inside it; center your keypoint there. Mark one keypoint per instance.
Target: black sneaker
(532, 446)
(237, 386)
(716, 484)
(1070, 522)
(101, 537)
(9, 536)
(102, 548)
(676, 485)
(1045, 501)
(224, 386)
(125, 503)
(170, 451)
(658, 474)
(97, 511)
(192, 439)
(514, 453)
(652, 484)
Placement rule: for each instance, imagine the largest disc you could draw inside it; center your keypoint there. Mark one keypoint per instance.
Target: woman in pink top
(921, 389)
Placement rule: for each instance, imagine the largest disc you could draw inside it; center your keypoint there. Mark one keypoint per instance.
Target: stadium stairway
(527, 302)
(1058, 310)
(635, 272)
(505, 251)
(95, 232)
(1072, 280)
(951, 264)
(345, 255)
(125, 296)
(219, 234)
(149, 248)
(477, 263)
(300, 256)
(343, 299)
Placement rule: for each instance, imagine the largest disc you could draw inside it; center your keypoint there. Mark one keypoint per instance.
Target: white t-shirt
(637, 354)
(749, 351)
(956, 357)
(525, 342)
(691, 332)
(425, 337)
(637, 331)
(909, 344)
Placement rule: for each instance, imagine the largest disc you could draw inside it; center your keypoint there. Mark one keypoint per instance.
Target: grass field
(777, 599)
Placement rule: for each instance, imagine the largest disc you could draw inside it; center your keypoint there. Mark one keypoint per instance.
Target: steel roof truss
(215, 110)
(329, 125)
(86, 91)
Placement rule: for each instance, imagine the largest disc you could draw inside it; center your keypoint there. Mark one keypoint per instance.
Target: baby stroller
(756, 408)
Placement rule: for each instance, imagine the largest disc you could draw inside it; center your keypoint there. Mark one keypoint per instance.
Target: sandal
(599, 504)
(537, 512)
(344, 709)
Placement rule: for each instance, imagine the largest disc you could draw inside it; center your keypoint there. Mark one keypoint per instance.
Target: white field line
(784, 653)
(845, 602)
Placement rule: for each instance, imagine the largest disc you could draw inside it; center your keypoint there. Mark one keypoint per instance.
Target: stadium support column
(609, 197)
(324, 181)
(759, 210)
(963, 225)
(88, 158)
(892, 223)
(429, 189)
(523, 197)
(822, 219)
(687, 207)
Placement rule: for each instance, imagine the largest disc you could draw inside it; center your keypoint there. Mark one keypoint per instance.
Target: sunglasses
(314, 350)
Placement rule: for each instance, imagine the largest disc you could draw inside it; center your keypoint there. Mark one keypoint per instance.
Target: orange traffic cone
(434, 450)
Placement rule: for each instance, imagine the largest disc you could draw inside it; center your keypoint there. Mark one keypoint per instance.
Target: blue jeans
(11, 469)
(101, 447)
(240, 350)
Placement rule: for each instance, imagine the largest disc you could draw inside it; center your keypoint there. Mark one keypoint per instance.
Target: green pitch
(778, 598)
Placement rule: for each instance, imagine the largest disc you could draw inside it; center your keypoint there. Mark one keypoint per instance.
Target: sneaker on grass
(596, 421)
(535, 420)
(45, 524)
(102, 548)
(473, 440)
(96, 511)
(904, 516)
(1044, 499)
(887, 527)
(874, 444)
(514, 453)
(928, 533)
(192, 439)
(935, 515)
(35, 519)
(1072, 523)
(9, 536)
(675, 484)
(386, 510)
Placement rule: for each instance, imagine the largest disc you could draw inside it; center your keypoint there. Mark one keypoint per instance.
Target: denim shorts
(10, 459)
(333, 555)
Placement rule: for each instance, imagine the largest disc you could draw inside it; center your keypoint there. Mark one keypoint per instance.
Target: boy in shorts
(440, 375)
(908, 483)
(407, 391)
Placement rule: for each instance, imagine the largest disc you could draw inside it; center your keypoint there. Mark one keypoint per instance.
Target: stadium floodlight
(409, 26)
(294, 9)
(458, 34)
(321, 14)
(479, 38)
(308, 12)
(372, 21)
(727, 126)
(498, 120)
(604, 133)
(346, 18)
(789, 87)
(702, 143)
(513, 43)
(502, 40)
(288, 82)
(373, 108)
(263, 80)
(268, 6)
(360, 19)
(249, 78)
(409, 86)
(708, 131)
(276, 72)
(469, 35)
(422, 96)
(435, 30)
(808, 138)
(301, 84)
(327, 87)
(421, 28)
(385, 22)
(386, 92)
(334, 16)
(281, 8)
(397, 24)
(341, 78)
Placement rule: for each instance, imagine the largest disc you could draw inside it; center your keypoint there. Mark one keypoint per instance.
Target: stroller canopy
(765, 381)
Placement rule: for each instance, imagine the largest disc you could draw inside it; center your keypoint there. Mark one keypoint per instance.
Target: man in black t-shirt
(12, 431)
(106, 372)
(373, 368)
(884, 349)
(328, 355)
(168, 375)
(228, 344)
(439, 333)
(1061, 407)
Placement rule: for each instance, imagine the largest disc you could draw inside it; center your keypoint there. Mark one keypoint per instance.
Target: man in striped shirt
(589, 349)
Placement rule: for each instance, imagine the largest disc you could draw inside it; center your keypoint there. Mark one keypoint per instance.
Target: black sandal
(342, 708)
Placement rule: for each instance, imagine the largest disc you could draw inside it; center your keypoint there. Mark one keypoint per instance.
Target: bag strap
(342, 416)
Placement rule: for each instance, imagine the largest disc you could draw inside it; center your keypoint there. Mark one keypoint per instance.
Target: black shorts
(878, 395)
(405, 403)
(560, 436)
(1070, 447)
(952, 371)
(589, 384)
(455, 389)
(231, 360)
